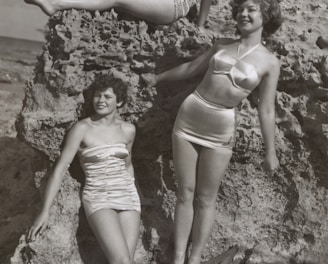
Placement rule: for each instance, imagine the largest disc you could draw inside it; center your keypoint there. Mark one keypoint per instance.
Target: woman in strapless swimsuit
(110, 198)
(154, 11)
(205, 127)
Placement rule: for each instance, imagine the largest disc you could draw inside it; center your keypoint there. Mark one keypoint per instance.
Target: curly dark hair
(271, 13)
(102, 82)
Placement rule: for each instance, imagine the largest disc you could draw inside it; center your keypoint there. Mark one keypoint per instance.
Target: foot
(322, 43)
(46, 6)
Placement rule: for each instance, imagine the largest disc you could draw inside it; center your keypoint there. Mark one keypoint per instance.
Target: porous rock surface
(274, 220)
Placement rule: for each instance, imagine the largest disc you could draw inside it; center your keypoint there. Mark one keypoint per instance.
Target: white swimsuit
(108, 184)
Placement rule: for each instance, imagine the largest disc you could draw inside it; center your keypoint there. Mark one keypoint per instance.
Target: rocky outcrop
(280, 219)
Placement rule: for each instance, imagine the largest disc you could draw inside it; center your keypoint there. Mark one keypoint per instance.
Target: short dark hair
(271, 13)
(102, 82)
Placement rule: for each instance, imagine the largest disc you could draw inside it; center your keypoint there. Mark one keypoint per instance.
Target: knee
(121, 260)
(185, 195)
(204, 200)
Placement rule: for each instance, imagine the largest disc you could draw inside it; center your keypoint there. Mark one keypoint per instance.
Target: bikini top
(242, 74)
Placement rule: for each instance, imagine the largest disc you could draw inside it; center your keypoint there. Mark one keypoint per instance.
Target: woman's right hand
(149, 79)
(38, 227)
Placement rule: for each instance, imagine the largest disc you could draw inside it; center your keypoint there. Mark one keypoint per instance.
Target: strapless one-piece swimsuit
(108, 184)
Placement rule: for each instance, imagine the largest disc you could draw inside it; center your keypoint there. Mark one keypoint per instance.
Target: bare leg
(185, 163)
(155, 11)
(212, 166)
(130, 222)
(108, 230)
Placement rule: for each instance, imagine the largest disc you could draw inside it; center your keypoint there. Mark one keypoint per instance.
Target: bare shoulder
(270, 58)
(80, 127)
(128, 129)
(268, 63)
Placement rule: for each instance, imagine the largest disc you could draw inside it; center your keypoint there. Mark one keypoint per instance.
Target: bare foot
(46, 6)
(322, 43)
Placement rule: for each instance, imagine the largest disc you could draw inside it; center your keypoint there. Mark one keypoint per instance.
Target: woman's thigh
(213, 164)
(185, 157)
(107, 228)
(130, 223)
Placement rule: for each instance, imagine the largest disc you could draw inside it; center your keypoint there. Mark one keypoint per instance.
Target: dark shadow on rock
(20, 199)
(154, 168)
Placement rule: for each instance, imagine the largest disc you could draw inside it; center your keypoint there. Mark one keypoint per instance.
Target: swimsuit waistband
(210, 104)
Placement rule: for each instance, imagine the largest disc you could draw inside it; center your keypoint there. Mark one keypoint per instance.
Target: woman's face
(104, 102)
(249, 17)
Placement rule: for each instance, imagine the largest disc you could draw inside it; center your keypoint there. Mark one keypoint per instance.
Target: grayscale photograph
(163, 132)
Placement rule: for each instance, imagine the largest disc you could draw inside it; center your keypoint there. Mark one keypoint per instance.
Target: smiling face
(104, 101)
(249, 17)
(270, 13)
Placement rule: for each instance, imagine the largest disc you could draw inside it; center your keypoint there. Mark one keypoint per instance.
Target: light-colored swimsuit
(212, 125)
(182, 7)
(108, 184)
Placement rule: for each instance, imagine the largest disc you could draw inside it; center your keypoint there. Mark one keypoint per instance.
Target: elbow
(267, 110)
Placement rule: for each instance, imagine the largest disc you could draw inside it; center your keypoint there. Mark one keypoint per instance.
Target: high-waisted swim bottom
(205, 123)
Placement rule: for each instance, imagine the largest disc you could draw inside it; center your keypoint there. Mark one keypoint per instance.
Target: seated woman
(154, 11)
(103, 143)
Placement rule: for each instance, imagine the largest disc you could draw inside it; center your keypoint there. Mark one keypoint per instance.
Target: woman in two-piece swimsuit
(110, 198)
(205, 127)
(154, 11)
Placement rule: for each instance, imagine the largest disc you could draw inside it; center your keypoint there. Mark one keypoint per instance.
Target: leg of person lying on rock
(154, 11)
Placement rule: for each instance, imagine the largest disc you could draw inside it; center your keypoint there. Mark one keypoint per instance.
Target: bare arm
(266, 110)
(183, 71)
(130, 131)
(187, 70)
(72, 143)
(203, 12)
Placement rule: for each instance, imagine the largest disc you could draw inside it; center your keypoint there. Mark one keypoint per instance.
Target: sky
(20, 20)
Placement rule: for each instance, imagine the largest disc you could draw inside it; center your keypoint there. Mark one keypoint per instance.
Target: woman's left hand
(271, 163)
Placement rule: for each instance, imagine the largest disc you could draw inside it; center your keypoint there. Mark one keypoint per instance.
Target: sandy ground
(11, 96)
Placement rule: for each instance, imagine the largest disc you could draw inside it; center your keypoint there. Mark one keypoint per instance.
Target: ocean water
(17, 60)
(19, 49)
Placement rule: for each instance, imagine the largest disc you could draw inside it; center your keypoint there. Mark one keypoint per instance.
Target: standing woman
(205, 127)
(103, 143)
(154, 11)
